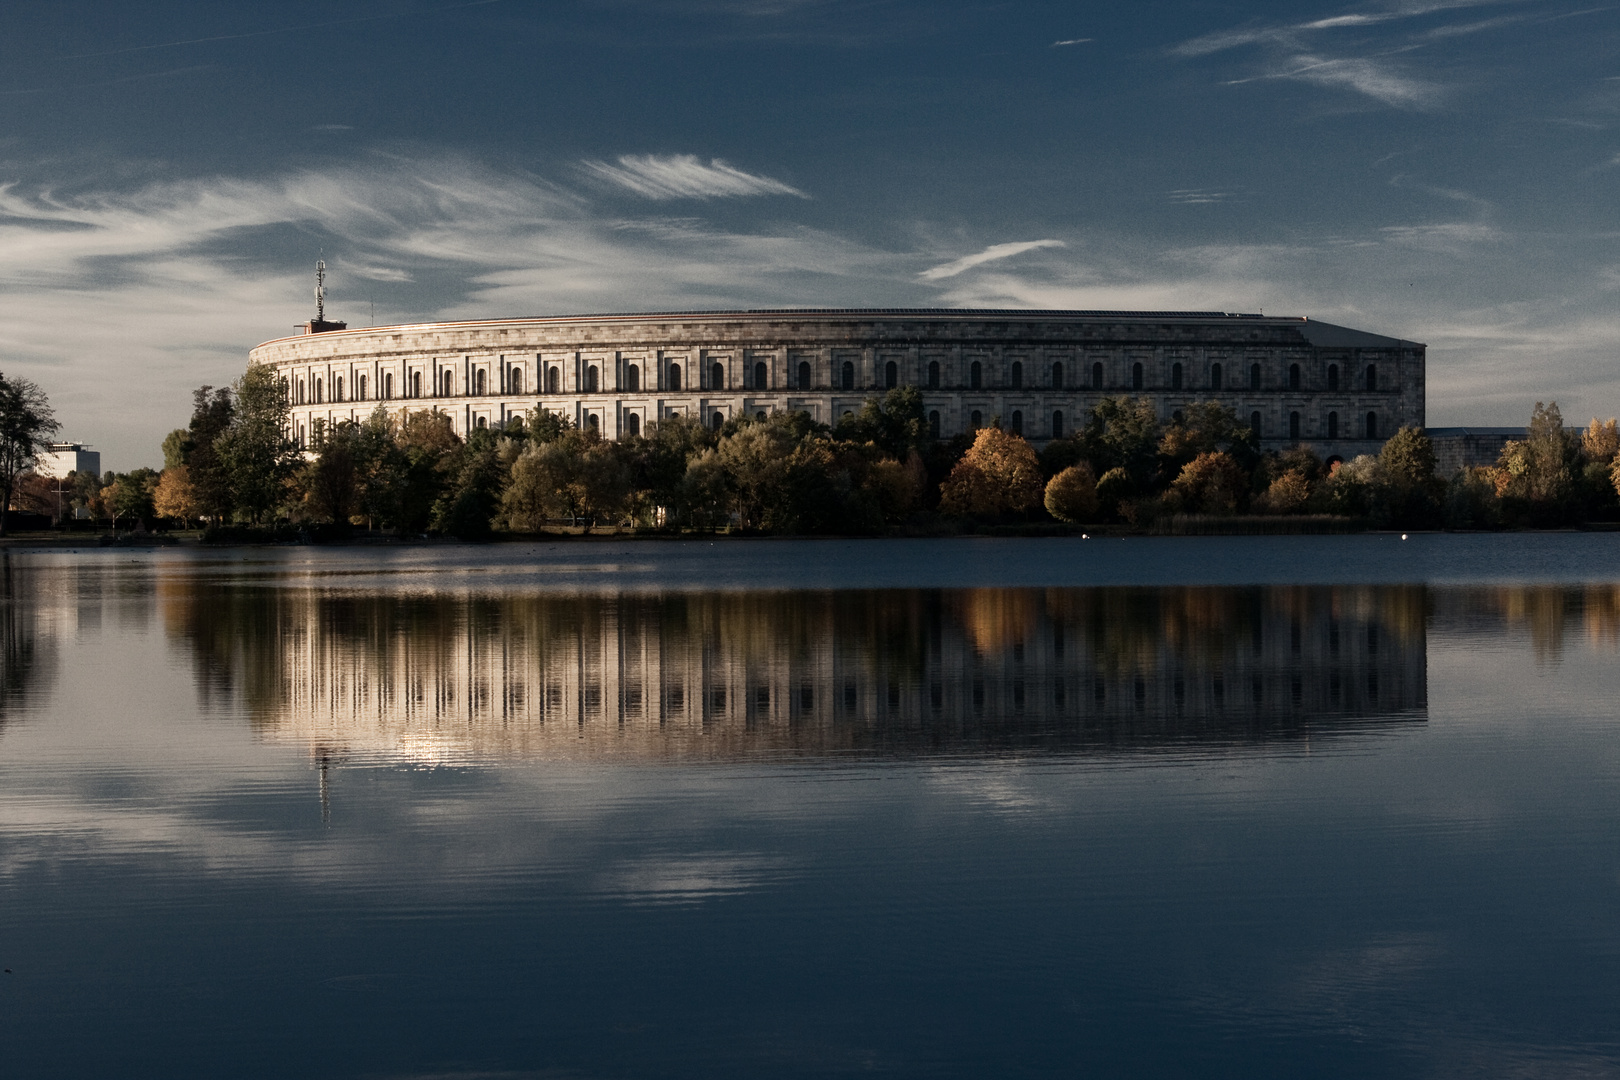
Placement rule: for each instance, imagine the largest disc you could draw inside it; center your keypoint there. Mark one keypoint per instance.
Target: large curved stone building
(1042, 372)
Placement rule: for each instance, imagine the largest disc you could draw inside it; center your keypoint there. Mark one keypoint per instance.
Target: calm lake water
(1249, 807)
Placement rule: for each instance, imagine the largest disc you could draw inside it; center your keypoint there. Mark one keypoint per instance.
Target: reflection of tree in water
(27, 658)
(724, 674)
(1548, 613)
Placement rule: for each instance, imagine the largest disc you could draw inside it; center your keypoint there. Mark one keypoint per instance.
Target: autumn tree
(1600, 441)
(1287, 494)
(1210, 482)
(998, 475)
(174, 496)
(1071, 495)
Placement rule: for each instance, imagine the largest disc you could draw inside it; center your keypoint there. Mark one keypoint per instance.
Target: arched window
(1096, 376)
(416, 384)
(1333, 376)
(849, 375)
(1175, 376)
(1017, 422)
(1057, 424)
(1254, 423)
(593, 422)
(1372, 377)
(717, 376)
(1254, 376)
(761, 376)
(553, 379)
(317, 391)
(483, 421)
(804, 374)
(933, 424)
(1293, 376)
(632, 379)
(1372, 425)
(514, 381)
(1214, 376)
(361, 396)
(481, 382)
(1018, 375)
(718, 420)
(337, 388)
(632, 424)
(674, 376)
(891, 375)
(1136, 376)
(298, 392)
(1057, 375)
(1333, 425)
(449, 384)
(976, 420)
(760, 416)
(593, 379)
(388, 386)
(933, 374)
(976, 376)
(286, 388)
(1293, 427)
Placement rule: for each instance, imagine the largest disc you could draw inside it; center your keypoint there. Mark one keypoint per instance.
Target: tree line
(877, 470)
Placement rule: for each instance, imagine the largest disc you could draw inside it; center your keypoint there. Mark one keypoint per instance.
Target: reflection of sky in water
(1008, 884)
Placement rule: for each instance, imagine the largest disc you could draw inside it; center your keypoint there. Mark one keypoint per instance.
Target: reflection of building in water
(718, 675)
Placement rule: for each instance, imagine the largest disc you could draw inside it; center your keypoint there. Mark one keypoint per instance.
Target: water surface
(1245, 807)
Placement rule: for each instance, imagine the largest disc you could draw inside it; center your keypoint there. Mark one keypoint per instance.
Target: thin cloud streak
(990, 254)
(683, 176)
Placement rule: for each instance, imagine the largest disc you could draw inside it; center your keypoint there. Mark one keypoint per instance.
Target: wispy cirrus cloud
(992, 253)
(1304, 51)
(1372, 77)
(684, 176)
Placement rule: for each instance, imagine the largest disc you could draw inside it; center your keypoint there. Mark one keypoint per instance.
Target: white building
(68, 457)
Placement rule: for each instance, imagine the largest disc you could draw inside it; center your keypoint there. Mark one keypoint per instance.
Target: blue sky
(169, 173)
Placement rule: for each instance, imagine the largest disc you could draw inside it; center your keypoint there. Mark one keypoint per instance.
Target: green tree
(130, 495)
(1409, 495)
(475, 474)
(331, 482)
(896, 423)
(578, 475)
(431, 448)
(255, 452)
(176, 448)
(211, 415)
(659, 462)
(1124, 433)
(26, 426)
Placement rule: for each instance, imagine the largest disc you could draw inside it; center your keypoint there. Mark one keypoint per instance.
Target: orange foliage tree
(999, 475)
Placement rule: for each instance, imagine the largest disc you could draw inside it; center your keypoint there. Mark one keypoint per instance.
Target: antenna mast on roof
(320, 290)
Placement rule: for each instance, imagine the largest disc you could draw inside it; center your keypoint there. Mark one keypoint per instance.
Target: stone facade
(1042, 372)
